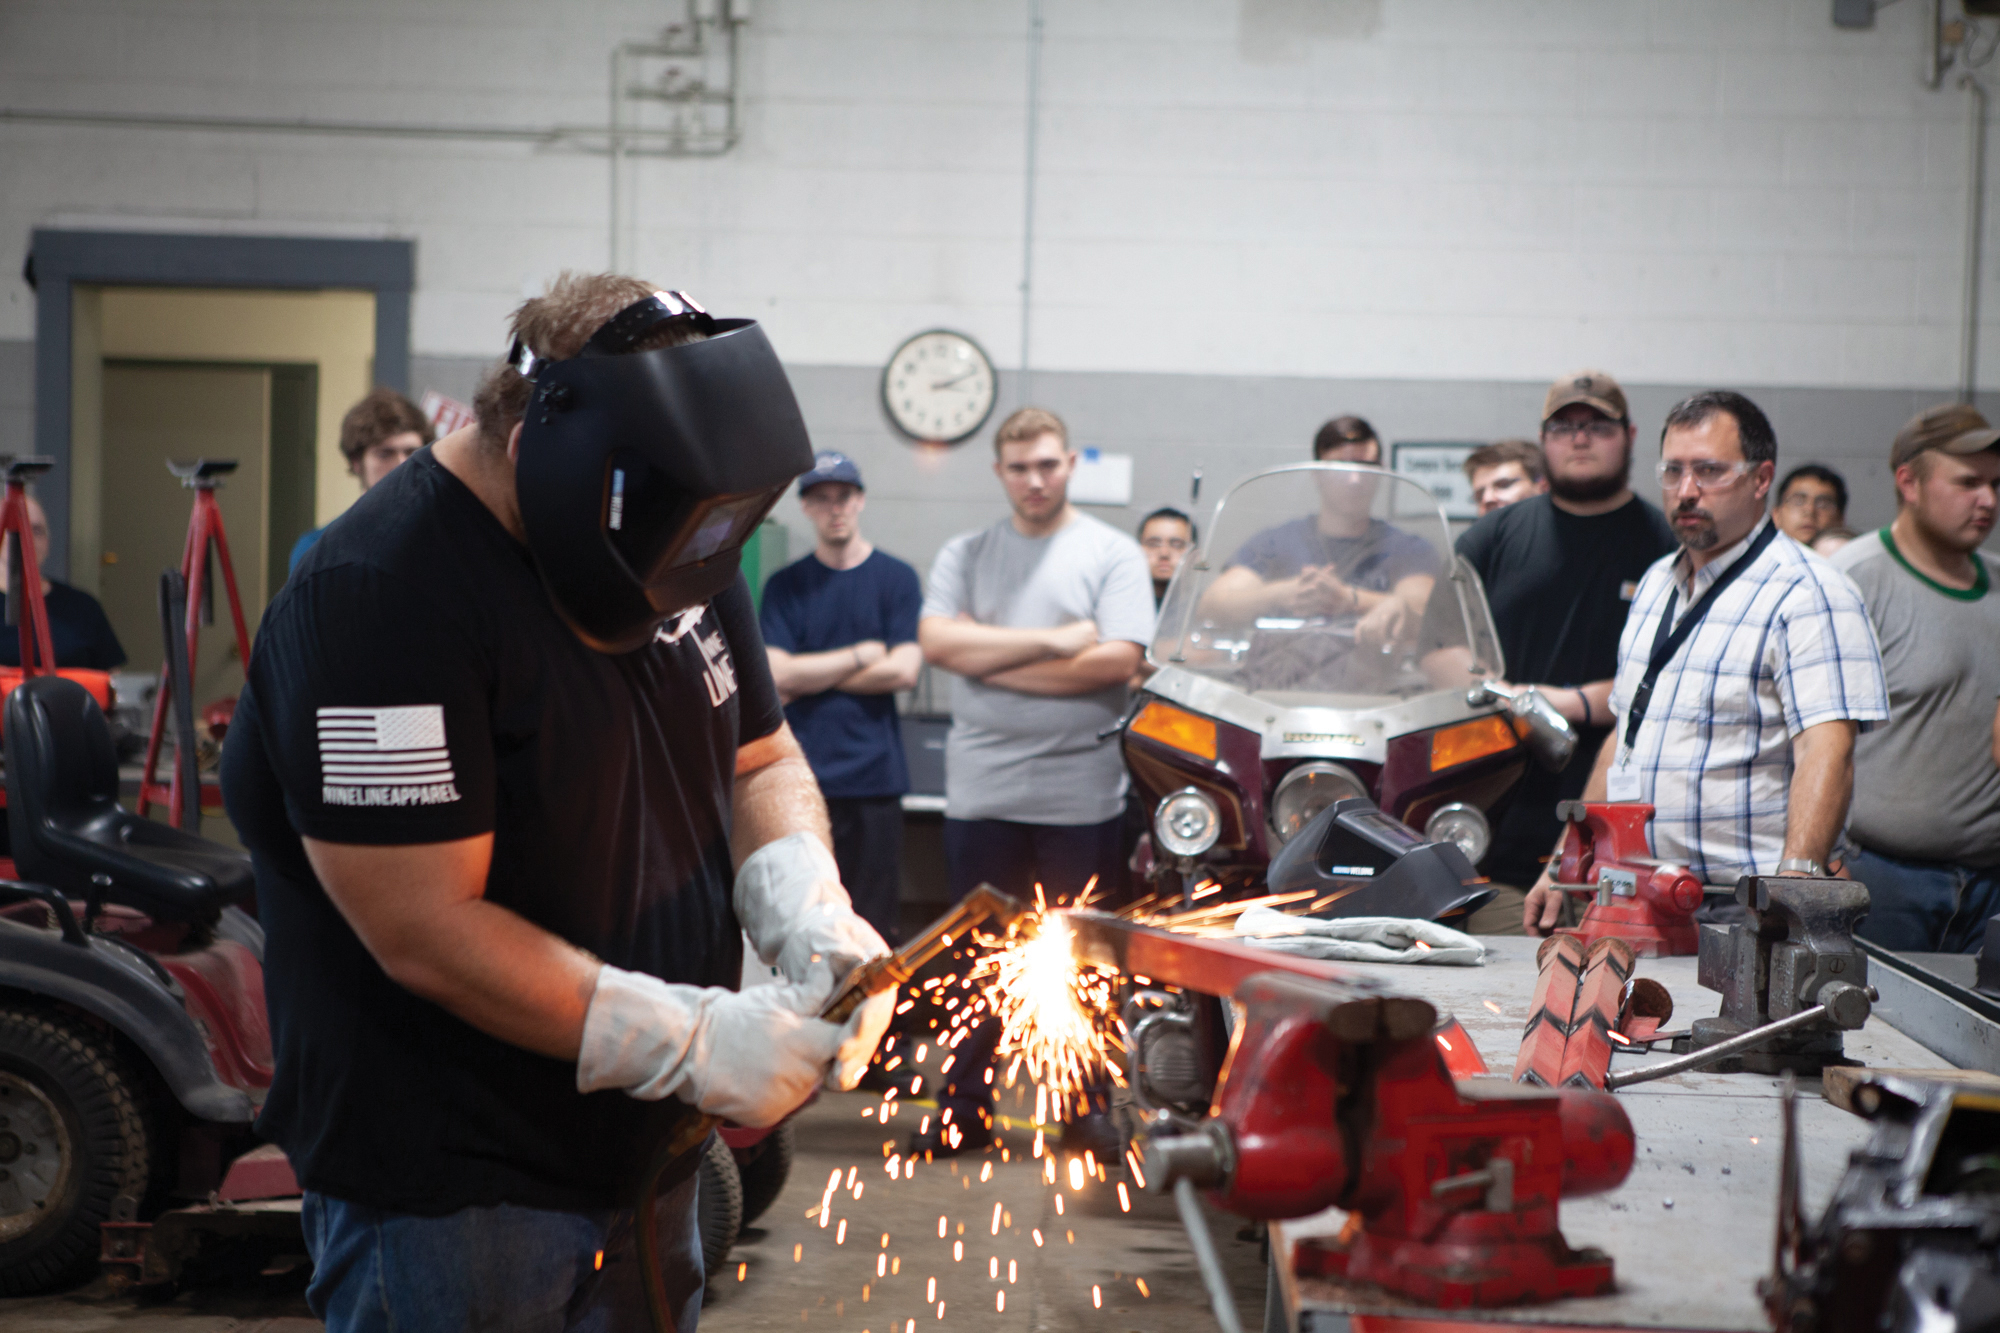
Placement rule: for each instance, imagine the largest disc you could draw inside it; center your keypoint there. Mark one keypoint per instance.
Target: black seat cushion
(66, 825)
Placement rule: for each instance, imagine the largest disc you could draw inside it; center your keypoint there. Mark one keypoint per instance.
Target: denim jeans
(499, 1268)
(1925, 906)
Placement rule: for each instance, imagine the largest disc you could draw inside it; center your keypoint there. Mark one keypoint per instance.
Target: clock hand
(955, 379)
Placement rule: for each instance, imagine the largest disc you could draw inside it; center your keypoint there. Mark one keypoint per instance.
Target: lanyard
(1666, 643)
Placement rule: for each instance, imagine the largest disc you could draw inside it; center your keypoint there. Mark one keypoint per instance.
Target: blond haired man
(1044, 616)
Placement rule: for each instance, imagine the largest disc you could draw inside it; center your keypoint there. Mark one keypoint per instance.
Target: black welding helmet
(641, 475)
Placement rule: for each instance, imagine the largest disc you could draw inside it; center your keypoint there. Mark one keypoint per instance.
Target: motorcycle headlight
(1462, 824)
(1187, 823)
(1307, 790)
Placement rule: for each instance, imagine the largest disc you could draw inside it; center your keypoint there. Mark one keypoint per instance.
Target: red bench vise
(1647, 902)
(1336, 1096)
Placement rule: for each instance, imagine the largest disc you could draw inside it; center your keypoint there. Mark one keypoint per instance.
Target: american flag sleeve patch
(385, 756)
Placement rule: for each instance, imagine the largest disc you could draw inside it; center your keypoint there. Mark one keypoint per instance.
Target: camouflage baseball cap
(1952, 428)
(1592, 388)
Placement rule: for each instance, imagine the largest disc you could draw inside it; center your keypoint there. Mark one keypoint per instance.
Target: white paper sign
(1439, 469)
(1101, 479)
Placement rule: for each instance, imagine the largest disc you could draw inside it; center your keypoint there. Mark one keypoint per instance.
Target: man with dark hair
(497, 785)
(1559, 570)
(1926, 788)
(1339, 562)
(1165, 535)
(1811, 499)
(840, 625)
(1044, 616)
(1744, 672)
(1506, 472)
(378, 434)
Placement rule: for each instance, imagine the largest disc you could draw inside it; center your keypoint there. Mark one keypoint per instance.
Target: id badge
(1622, 782)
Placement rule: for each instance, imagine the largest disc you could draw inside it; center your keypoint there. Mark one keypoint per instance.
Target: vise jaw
(1796, 952)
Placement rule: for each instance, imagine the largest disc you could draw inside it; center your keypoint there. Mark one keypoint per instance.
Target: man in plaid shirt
(1744, 741)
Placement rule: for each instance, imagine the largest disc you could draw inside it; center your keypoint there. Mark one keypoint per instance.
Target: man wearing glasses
(1745, 671)
(1165, 536)
(1811, 500)
(1560, 569)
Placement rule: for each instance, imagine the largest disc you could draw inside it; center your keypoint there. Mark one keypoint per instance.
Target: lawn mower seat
(68, 829)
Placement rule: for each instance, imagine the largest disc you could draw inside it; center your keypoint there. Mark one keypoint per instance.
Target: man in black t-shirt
(495, 812)
(1560, 570)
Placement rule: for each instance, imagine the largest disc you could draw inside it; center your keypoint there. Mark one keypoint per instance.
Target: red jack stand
(201, 476)
(1647, 902)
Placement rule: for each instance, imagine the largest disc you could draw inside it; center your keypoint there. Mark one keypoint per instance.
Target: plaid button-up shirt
(1786, 646)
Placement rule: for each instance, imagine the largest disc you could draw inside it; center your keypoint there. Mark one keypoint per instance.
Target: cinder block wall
(1249, 217)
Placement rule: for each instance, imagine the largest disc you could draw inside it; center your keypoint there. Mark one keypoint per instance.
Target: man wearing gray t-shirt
(1044, 617)
(1926, 810)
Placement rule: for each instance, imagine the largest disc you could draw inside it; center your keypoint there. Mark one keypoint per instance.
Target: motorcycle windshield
(1332, 581)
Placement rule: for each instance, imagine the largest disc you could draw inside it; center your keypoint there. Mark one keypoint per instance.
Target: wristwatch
(1804, 865)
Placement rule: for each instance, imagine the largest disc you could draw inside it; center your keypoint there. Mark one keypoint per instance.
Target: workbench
(1691, 1229)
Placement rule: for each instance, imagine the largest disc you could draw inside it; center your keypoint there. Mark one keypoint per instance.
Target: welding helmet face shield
(640, 475)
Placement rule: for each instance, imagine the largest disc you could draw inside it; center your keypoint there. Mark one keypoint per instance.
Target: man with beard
(1745, 670)
(1560, 570)
(1927, 791)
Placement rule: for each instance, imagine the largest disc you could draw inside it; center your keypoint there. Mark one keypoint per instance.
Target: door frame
(59, 260)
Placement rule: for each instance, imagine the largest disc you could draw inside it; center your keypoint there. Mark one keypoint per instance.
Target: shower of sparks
(1057, 1015)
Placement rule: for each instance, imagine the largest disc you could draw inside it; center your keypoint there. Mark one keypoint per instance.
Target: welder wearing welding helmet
(517, 783)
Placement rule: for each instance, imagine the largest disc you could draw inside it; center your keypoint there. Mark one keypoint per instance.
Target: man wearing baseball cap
(1926, 809)
(841, 629)
(1560, 569)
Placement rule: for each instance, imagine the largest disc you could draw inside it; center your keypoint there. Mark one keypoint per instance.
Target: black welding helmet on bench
(641, 475)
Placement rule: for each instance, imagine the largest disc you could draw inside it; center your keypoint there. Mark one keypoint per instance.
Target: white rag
(1360, 939)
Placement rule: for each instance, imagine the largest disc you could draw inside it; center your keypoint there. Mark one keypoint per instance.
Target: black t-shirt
(80, 630)
(1559, 585)
(413, 683)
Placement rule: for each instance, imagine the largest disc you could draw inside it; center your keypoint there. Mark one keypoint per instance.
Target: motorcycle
(1326, 682)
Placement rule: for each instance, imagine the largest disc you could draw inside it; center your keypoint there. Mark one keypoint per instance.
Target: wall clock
(939, 387)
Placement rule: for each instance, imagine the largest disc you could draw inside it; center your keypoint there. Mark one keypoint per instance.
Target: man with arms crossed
(1044, 616)
(495, 785)
(1741, 734)
(841, 628)
(1926, 788)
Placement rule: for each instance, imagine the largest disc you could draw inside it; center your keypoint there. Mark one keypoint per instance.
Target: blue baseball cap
(831, 466)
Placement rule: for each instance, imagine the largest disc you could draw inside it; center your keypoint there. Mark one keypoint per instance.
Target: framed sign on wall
(1439, 467)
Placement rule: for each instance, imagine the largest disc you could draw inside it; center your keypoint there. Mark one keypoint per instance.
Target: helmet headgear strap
(622, 331)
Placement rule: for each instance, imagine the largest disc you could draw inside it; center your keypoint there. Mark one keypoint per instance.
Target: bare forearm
(1569, 701)
(897, 671)
(800, 674)
(976, 650)
(1086, 673)
(504, 975)
(1822, 785)
(419, 912)
(774, 801)
(1239, 597)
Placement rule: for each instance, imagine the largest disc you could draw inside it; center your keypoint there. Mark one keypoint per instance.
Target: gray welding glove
(749, 1056)
(791, 903)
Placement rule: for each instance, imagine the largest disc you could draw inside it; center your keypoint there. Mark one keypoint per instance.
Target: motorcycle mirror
(1550, 737)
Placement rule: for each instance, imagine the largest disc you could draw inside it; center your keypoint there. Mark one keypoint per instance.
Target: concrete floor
(1097, 1267)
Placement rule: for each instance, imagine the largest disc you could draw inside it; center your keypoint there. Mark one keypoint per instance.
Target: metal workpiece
(1796, 954)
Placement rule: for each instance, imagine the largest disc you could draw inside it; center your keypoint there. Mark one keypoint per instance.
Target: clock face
(939, 386)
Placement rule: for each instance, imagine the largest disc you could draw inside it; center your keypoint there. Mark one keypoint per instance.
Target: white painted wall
(1682, 190)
